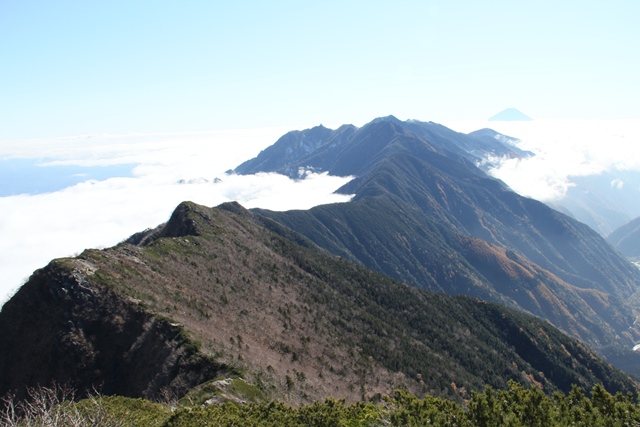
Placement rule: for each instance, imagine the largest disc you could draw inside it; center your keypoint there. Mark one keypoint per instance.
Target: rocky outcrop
(70, 329)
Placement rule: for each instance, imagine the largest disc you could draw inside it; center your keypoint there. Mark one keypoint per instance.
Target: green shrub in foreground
(514, 407)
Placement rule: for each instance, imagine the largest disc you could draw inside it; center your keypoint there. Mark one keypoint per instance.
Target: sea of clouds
(564, 149)
(166, 169)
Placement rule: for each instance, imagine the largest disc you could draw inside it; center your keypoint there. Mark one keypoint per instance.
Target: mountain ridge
(287, 157)
(405, 185)
(297, 323)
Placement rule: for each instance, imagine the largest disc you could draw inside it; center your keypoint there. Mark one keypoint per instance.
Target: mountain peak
(348, 149)
(510, 115)
(389, 118)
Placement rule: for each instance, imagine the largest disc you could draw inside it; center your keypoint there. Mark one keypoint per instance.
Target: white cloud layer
(564, 149)
(37, 228)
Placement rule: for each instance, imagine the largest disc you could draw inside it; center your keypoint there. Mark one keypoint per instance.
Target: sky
(76, 67)
(106, 106)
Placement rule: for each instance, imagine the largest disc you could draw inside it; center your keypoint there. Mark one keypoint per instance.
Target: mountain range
(435, 278)
(426, 215)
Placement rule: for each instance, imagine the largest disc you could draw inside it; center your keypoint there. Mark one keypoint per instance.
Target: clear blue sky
(88, 67)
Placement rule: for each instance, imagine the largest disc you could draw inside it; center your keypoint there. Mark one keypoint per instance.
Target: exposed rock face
(61, 327)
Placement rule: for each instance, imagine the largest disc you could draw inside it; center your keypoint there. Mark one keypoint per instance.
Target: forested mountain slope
(212, 293)
(419, 208)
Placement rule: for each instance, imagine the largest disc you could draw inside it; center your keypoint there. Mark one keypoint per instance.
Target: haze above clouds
(564, 149)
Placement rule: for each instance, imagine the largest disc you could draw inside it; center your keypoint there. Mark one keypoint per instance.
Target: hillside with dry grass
(213, 294)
